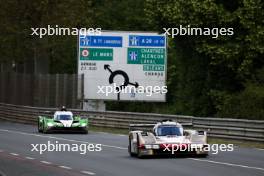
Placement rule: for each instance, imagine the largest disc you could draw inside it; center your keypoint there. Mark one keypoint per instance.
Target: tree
(17, 19)
(206, 66)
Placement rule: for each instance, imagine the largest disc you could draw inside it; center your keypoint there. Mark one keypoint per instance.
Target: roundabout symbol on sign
(123, 74)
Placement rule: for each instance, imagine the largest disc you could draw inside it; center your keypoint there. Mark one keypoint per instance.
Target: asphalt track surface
(17, 159)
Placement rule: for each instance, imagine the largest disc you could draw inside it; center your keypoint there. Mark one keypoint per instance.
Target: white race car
(167, 137)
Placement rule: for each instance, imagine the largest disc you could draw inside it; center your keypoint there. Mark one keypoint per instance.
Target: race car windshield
(64, 117)
(168, 130)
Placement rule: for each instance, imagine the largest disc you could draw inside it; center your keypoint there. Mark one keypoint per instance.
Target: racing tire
(39, 128)
(46, 131)
(129, 149)
(85, 132)
(138, 155)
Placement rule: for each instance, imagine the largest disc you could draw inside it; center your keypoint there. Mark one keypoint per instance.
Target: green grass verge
(211, 140)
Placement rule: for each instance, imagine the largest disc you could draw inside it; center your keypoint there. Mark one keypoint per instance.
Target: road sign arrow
(107, 67)
(134, 84)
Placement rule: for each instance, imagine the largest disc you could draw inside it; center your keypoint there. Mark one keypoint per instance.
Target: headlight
(83, 124)
(50, 124)
(148, 146)
(155, 146)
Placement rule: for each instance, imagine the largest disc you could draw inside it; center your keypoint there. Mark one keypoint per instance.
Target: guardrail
(252, 130)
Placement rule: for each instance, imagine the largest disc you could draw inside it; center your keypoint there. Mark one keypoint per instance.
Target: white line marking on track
(123, 148)
(60, 138)
(45, 162)
(65, 167)
(102, 132)
(228, 164)
(122, 135)
(88, 172)
(110, 133)
(30, 158)
(14, 154)
(260, 149)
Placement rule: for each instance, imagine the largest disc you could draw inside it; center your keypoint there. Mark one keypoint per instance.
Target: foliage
(17, 19)
(207, 76)
(212, 73)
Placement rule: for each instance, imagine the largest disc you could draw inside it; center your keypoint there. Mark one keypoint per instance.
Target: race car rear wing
(141, 127)
(149, 126)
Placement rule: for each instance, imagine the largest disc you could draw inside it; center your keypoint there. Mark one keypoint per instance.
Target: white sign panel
(123, 66)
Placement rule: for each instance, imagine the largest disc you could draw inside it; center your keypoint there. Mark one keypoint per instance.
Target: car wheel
(129, 150)
(85, 131)
(45, 130)
(138, 153)
(39, 128)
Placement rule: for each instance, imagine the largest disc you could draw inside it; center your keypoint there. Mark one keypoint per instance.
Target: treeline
(207, 76)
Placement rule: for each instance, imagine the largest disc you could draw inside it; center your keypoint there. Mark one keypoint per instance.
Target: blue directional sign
(136, 58)
(101, 41)
(152, 41)
(133, 55)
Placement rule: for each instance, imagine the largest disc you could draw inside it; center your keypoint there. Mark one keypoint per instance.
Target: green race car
(63, 121)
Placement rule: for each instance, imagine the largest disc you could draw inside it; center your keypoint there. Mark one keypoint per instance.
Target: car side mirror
(185, 133)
